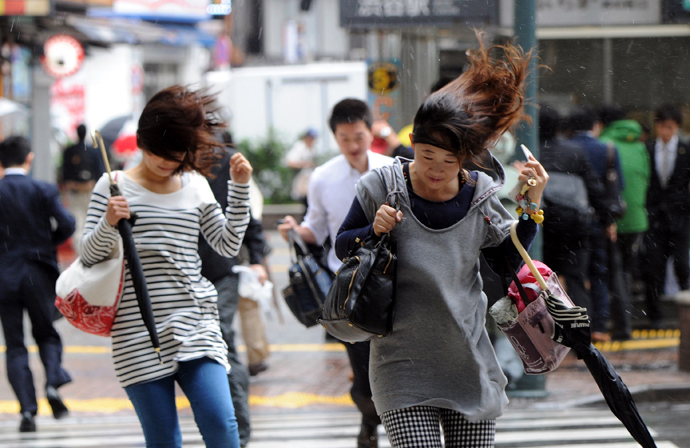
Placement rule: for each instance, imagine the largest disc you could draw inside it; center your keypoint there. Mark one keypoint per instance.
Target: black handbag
(360, 304)
(309, 282)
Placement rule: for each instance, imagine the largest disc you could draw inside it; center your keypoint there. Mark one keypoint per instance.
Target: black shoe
(28, 423)
(368, 437)
(257, 368)
(56, 404)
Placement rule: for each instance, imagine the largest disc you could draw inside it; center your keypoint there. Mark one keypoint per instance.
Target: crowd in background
(627, 220)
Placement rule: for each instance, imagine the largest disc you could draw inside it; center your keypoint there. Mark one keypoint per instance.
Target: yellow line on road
(274, 348)
(289, 400)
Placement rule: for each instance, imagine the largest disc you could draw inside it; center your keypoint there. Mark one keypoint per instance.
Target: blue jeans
(205, 383)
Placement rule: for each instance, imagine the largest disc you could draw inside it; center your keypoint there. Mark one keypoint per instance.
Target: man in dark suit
(32, 223)
(668, 207)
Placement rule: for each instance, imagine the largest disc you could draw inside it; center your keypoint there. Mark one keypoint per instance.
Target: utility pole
(525, 31)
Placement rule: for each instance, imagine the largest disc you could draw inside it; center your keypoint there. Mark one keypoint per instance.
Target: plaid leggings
(420, 427)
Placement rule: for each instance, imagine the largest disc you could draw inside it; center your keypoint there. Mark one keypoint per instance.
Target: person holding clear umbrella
(173, 203)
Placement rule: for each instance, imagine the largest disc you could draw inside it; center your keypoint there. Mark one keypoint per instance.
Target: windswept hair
(467, 115)
(181, 124)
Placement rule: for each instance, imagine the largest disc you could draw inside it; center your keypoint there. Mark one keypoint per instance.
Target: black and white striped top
(166, 234)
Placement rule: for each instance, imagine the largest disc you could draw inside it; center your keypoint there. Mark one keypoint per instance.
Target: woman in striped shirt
(173, 203)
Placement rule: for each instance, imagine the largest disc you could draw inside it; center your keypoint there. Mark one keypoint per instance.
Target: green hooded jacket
(634, 159)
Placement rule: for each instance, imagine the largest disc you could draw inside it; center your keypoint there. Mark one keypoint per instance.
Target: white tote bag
(88, 297)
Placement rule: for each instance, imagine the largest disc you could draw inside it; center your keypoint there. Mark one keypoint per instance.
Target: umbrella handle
(98, 141)
(525, 256)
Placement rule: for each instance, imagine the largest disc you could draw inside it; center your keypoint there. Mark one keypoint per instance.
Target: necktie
(664, 173)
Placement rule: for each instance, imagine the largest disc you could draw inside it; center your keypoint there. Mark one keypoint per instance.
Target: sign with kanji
(397, 13)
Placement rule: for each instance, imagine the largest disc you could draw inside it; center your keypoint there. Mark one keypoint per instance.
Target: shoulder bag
(89, 296)
(309, 282)
(361, 302)
(531, 331)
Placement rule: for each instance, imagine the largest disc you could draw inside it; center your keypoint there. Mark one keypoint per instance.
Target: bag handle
(610, 155)
(513, 274)
(295, 239)
(525, 256)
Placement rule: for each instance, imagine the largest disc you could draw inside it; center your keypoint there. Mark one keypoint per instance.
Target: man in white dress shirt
(331, 192)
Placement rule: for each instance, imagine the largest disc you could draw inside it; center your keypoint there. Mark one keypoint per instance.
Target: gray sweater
(439, 353)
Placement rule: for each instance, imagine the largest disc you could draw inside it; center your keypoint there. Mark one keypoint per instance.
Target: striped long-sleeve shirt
(166, 234)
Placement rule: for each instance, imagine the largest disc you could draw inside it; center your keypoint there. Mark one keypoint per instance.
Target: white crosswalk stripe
(579, 428)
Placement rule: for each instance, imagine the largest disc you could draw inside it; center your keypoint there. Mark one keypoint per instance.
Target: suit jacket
(33, 222)
(674, 200)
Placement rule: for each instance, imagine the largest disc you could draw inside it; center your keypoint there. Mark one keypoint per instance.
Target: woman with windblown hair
(175, 207)
(438, 368)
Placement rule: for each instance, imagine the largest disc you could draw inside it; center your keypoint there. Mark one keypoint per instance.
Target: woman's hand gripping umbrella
(124, 226)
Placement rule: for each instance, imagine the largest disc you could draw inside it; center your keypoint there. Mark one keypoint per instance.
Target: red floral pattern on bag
(91, 319)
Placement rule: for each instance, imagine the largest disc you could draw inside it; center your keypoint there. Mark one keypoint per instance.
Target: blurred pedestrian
(566, 227)
(82, 165)
(668, 208)
(584, 122)
(174, 204)
(634, 158)
(331, 190)
(437, 371)
(218, 269)
(386, 141)
(302, 158)
(33, 223)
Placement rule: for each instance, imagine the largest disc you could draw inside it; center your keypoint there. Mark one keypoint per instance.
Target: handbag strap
(610, 155)
(526, 257)
(513, 274)
(295, 240)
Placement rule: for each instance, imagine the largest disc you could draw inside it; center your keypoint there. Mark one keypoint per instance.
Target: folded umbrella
(571, 328)
(136, 272)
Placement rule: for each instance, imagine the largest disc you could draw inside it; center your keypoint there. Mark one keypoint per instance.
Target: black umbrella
(571, 328)
(141, 291)
(111, 130)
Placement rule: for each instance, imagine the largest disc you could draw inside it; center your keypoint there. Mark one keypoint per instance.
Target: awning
(608, 32)
(183, 36)
(117, 30)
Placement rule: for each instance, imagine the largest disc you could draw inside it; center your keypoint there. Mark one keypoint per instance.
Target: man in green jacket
(634, 159)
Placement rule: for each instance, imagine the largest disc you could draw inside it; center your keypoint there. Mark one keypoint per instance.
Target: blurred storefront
(630, 52)
(105, 59)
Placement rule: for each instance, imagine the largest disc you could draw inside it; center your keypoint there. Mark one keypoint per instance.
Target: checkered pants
(420, 427)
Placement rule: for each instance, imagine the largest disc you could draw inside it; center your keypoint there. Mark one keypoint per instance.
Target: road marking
(288, 400)
(275, 348)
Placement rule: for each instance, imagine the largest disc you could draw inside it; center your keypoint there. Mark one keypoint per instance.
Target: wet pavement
(309, 375)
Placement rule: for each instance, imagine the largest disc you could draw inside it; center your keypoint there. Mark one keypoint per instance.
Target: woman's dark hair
(350, 110)
(14, 151)
(475, 109)
(181, 125)
(668, 112)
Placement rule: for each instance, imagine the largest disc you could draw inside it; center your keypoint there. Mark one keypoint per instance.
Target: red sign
(62, 55)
